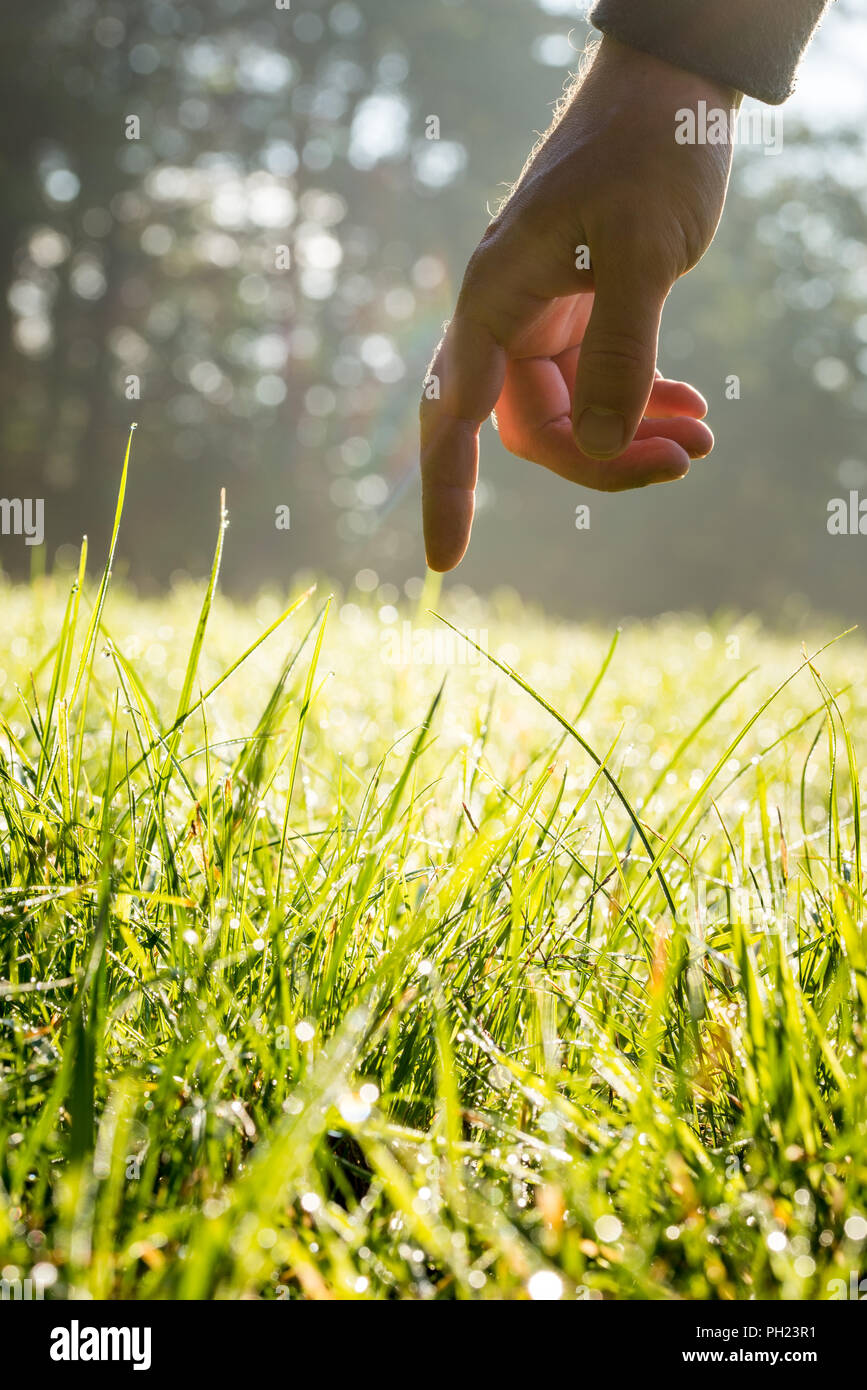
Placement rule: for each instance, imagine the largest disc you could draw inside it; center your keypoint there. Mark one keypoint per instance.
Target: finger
(667, 398)
(616, 368)
(461, 390)
(691, 434)
(658, 459)
(534, 422)
(670, 398)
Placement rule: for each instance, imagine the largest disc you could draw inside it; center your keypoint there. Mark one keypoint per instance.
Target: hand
(566, 355)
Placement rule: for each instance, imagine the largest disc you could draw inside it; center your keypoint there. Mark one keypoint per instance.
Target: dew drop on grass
(353, 1109)
(608, 1229)
(545, 1286)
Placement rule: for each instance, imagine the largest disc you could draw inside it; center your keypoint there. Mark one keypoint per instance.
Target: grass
(329, 973)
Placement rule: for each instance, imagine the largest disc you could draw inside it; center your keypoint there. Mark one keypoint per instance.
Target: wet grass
(334, 966)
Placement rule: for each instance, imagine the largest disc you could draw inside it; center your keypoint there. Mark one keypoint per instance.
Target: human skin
(566, 357)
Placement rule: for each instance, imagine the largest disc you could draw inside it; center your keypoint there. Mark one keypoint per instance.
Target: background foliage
(306, 128)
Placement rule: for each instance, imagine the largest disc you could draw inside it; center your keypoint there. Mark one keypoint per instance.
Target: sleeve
(752, 45)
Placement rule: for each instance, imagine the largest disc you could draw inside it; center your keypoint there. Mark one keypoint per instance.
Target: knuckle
(479, 276)
(655, 255)
(610, 349)
(514, 443)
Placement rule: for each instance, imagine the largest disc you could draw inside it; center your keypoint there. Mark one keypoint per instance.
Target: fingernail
(601, 431)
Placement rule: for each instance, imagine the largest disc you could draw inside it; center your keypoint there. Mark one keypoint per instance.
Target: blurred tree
(219, 219)
(243, 225)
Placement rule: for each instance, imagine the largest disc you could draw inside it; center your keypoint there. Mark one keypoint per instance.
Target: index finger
(461, 388)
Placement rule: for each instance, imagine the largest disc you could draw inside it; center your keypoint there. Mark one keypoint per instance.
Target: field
(357, 963)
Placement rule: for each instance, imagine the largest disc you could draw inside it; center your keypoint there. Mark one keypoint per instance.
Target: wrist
(616, 61)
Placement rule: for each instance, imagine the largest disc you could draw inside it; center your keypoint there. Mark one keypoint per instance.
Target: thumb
(618, 357)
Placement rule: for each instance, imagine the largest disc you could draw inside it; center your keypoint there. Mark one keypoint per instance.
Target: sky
(833, 81)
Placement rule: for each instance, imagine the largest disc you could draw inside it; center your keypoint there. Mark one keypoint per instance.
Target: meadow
(343, 966)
